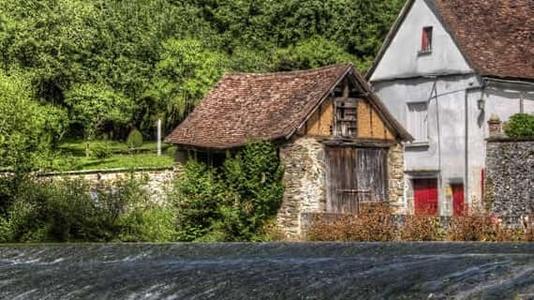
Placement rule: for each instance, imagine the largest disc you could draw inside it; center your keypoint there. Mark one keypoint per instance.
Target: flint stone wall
(509, 185)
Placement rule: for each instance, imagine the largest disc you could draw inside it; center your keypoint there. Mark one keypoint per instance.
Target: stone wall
(509, 183)
(158, 181)
(396, 178)
(304, 181)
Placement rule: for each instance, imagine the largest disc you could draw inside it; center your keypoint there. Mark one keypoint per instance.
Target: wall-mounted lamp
(481, 103)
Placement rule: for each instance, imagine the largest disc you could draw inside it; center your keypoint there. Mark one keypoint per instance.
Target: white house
(444, 69)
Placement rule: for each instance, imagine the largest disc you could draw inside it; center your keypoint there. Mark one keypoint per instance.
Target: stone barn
(339, 145)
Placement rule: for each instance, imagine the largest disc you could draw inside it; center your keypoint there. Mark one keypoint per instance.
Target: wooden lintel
(365, 143)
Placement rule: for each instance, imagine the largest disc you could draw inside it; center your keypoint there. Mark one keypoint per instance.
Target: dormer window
(426, 40)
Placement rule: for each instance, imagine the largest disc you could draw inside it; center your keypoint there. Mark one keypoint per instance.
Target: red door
(425, 196)
(458, 199)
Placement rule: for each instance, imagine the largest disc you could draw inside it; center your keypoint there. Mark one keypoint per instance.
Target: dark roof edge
(511, 80)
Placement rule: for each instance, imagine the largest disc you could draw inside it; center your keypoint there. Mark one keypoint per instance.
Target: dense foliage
(234, 202)
(520, 125)
(74, 210)
(27, 128)
(114, 65)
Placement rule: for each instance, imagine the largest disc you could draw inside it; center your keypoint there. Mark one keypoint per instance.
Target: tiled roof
(496, 36)
(243, 107)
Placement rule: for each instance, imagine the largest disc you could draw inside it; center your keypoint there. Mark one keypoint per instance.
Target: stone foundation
(396, 178)
(304, 182)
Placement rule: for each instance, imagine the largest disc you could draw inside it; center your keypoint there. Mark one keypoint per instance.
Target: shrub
(148, 224)
(421, 228)
(134, 140)
(232, 203)
(480, 227)
(73, 210)
(197, 196)
(254, 177)
(520, 125)
(171, 151)
(100, 151)
(374, 223)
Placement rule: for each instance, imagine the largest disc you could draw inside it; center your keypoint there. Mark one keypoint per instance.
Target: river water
(268, 271)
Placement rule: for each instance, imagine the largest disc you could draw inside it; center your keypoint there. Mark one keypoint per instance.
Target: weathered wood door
(355, 176)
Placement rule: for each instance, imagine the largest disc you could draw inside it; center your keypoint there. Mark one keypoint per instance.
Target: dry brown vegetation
(376, 223)
(421, 228)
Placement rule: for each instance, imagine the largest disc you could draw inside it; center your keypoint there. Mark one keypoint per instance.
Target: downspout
(466, 135)
(466, 146)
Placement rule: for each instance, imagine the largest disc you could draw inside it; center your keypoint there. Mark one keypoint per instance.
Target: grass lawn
(77, 147)
(71, 156)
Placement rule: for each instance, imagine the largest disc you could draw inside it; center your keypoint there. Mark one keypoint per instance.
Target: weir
(267, 271)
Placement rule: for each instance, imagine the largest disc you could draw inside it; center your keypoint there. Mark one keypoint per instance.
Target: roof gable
(402, 58)
(494, 36)
(270, 106)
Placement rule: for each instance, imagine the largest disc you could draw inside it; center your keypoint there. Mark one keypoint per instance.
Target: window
(417, 121)
(345, 118)
(426, 40)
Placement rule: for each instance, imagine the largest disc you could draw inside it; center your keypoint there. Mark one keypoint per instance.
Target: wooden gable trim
(323, 99)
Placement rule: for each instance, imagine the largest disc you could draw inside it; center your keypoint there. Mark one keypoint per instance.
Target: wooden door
(372, 174)
(458, 199)
(425, 196)
(355, 176)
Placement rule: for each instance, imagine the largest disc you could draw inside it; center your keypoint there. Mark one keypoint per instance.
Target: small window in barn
(418, 121)
(426, 40)
(345, 118)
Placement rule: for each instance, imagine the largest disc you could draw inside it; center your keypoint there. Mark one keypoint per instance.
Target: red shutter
(458, 199)
(426, 39)
(425, 196)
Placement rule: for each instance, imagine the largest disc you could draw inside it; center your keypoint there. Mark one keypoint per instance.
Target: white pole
(159, 137)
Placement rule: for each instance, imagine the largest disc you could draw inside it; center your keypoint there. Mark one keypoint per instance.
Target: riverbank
(267, 271)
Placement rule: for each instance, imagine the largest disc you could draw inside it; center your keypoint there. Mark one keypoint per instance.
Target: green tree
(311, 53)
(94, 106)
(185, 72)
(27, 128)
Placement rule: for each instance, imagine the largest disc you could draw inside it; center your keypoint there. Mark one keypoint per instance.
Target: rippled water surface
(267, 271)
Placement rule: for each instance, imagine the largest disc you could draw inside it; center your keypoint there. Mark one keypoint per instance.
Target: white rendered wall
(402, 58)
(503, 101)
(403, 75)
